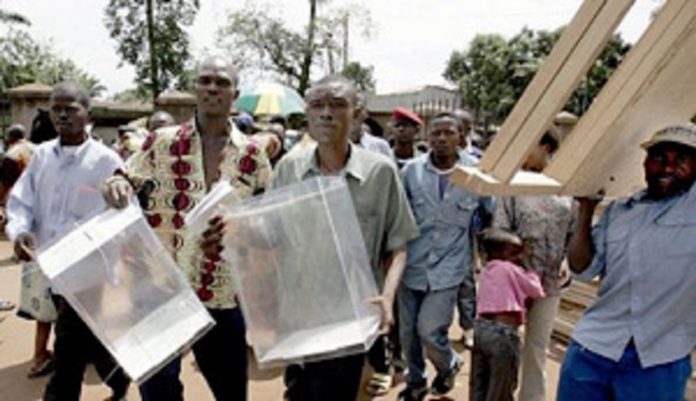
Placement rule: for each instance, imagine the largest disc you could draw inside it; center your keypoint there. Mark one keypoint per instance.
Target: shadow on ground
(13, 380)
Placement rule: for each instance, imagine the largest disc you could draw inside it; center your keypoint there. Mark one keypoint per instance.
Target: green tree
(10, 17)
(152, 37)
(530, 48)
(493, 73)
(482, 73)
(23, 60)
(608, 61)
(258, 40)
(361, 76)
(130, 95)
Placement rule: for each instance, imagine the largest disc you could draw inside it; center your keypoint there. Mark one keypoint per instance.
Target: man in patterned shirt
(181, 164)
(545, 224)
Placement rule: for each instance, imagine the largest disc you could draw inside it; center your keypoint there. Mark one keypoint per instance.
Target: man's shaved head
(216, 63)
(337, 83)
(331, 109)
(16, 132)
(74, 90)
(69, 111)
(160, 119)
(464, 116)
(216, 88)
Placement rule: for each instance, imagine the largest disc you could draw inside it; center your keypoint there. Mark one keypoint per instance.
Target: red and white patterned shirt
(172, 160)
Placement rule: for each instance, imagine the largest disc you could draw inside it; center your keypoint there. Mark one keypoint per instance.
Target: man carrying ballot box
(180, 164)
(385, 218)
(58, 189)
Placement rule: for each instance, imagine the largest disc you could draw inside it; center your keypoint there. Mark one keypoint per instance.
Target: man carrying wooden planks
(635, 342)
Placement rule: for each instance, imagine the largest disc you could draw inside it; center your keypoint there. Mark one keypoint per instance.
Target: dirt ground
(16, 342)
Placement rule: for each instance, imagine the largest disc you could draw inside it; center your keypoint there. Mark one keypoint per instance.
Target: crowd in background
(435, 248)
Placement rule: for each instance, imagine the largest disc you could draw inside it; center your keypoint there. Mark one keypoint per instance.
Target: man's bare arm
(396, 264)
(580, 249)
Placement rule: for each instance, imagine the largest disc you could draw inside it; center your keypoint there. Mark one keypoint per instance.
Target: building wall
(23, 110)
(426, 101)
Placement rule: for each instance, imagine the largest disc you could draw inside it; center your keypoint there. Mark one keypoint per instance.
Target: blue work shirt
(645, 256)
(441, 256)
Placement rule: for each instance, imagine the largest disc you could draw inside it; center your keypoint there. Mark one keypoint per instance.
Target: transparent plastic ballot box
(216, 202)
(113, 270)
(303, 274)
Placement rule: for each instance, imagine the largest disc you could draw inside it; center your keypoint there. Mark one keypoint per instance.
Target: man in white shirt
(59, 188)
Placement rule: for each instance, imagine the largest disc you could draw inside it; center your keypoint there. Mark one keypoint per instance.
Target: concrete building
(106, 116)
(425, 100)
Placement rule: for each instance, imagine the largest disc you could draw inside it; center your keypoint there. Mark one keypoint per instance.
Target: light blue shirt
(58, 189)
(441, 256)
(645, 256)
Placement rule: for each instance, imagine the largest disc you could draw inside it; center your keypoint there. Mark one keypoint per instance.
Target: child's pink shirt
(504, 287)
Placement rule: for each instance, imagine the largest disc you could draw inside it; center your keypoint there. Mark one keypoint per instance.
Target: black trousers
(221, 355)
(386, 350)
(334, 379)
(75, 347)
(378, 356)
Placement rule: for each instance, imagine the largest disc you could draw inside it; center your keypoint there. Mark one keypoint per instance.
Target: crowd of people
(426, 240)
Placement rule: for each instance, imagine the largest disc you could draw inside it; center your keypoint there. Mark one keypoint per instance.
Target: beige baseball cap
(684, 134)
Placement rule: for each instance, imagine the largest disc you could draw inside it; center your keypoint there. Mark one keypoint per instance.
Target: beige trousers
(537, 333)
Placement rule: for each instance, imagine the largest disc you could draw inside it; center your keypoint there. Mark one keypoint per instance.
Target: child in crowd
(504, 287)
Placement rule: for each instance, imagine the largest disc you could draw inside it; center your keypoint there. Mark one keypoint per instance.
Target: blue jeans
(466, 300)
(425, 318)
(221, 355)
(495, 362)
(587, 376)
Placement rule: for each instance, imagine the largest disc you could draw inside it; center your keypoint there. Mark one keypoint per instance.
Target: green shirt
(385, 217)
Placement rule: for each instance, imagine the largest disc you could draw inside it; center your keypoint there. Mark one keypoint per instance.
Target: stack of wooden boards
(574, 301)
(654, 86)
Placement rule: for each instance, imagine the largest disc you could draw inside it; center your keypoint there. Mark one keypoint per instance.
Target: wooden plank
(576, 147)
(523, 183)
(578, 297)
(659, 93)
(541, 81)
(578, 64)
(655, 86)
(585, 289)
(583, 139)
(563, 329)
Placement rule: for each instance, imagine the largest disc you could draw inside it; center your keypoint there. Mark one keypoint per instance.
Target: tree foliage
(492, 73)
(131, 95)
(361, 76)
(23, 60)
(482, 76)
(10, 17)
(260, 41)
(166, 40)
